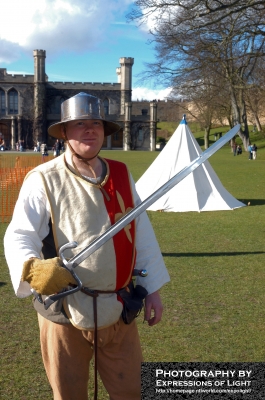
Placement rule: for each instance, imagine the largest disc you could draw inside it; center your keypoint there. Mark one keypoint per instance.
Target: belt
(94, 294)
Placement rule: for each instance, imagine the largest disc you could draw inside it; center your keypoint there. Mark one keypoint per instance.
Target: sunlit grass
(214, 304)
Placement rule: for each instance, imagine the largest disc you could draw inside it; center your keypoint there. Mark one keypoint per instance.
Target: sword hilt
(140, 272)
(49, 300)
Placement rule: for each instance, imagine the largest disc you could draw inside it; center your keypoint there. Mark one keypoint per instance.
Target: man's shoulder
(49, 171)
(50, 166)
(114, 164)
(116, 168)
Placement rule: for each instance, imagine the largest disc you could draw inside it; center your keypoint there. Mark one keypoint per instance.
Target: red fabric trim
(118, 183)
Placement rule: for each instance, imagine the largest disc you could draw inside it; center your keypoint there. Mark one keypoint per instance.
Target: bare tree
(201, 104)
(190, 46)
(195, 12)
(255, 95)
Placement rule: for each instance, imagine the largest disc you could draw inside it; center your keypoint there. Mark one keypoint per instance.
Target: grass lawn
(214, 304)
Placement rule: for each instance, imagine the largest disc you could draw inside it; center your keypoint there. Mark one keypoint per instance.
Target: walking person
(21, 145)
(250, 151)
(254, 151)
(77, 196)
(43, 150)
(2, 142)
(239, 150)
(57, 148)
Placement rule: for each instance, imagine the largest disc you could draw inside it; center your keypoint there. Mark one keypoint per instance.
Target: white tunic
(29, 226)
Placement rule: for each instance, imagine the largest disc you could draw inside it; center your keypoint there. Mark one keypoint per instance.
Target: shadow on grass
(253, 202)
(232, 254)
(3, 284)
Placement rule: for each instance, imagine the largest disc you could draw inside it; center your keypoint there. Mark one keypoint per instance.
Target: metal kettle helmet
(82, 106)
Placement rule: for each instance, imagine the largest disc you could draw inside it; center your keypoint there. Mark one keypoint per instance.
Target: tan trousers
(67, 351)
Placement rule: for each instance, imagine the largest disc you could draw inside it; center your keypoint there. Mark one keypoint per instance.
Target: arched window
(2, 102)
(106, 106)
(13, 102)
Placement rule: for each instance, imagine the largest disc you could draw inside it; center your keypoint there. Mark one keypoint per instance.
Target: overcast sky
(83, 39)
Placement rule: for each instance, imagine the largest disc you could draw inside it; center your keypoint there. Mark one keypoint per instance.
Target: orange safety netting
(13, 170)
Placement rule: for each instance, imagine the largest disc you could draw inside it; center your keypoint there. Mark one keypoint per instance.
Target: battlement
(40, 53)
(14, 78)
(87, 85)
(127, 60)
(3, 72)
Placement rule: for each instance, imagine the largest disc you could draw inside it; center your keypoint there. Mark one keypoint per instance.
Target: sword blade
(119, 225)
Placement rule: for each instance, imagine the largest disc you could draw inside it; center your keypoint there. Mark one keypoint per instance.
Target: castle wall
(166, 110)
(14, 79)
(58, 92)
(84, 85)
(23, 121)
(25, 98)
(39, 105)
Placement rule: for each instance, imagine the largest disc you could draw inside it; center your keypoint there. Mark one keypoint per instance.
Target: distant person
(38, 146)
(239, 150)
(57, 148)
(162, 145)
(21, 145)
(2, 142)
(254, 151)
(249, 151)
(44, 149)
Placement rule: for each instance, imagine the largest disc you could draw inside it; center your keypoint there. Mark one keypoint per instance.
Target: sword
(134, 213)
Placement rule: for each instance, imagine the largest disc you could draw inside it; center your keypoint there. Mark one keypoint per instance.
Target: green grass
(214, 304)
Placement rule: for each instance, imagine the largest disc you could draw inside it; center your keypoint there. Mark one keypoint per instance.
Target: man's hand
(46, 276)
(153, 308)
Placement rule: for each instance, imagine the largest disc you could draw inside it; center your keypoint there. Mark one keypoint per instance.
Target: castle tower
(39, 96)
(118, 72)
(125, 76)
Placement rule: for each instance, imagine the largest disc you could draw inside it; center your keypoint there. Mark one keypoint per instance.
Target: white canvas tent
(201, 190)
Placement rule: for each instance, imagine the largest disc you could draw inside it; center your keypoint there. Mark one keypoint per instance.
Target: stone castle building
(29, 104)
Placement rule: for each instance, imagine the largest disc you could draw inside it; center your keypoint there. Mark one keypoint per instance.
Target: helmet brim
(109, 128)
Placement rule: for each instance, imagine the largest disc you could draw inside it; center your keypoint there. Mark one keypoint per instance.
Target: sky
(83, 39)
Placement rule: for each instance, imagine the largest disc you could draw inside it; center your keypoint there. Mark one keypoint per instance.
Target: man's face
(85, 136)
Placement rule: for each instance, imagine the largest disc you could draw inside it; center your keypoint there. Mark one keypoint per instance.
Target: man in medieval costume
(77, 197)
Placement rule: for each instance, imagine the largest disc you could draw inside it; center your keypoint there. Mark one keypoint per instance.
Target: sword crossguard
(70, 245)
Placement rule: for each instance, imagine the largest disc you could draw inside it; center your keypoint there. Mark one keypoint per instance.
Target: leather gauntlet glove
(46, 276)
